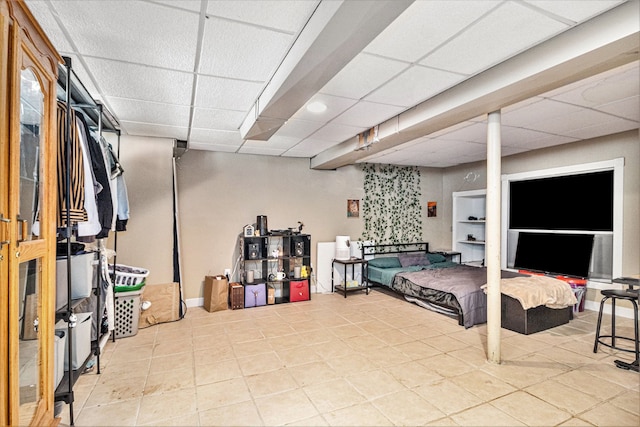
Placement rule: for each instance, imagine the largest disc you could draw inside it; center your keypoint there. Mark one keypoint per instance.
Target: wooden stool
(615, 294)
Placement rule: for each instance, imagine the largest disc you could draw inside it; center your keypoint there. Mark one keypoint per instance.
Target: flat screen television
(554, 253)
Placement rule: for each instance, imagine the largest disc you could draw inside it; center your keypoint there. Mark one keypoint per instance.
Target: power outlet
(227, 272)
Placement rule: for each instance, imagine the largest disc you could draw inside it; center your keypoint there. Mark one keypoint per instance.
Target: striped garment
(75, 196)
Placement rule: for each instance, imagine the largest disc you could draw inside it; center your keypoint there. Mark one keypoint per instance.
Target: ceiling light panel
(169, 35)
(424, 26)
(507, 30)
(228, 94)
(362, 75)
(213, 118)
(144, 83)
(240, 51)
(335, 106)
(414, 86)
(283, 15)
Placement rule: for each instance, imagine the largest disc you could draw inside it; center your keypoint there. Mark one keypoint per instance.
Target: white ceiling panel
(413, 86)
(425, 26)
(226, 94)
(141, 58)
(284, 15)
(212, 118)
(362, 75)
(142, 82)
(367, 114)
(575, 10)
(507, 30)
(295, 128)
(124, 31)
(310, 147)
(219, 137)
(133, 110)
(154, 130)
(336, 132)
(240, 51)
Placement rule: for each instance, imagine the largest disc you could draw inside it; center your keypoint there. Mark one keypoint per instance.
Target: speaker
(261, 225)
(298, 248)
(254, 251)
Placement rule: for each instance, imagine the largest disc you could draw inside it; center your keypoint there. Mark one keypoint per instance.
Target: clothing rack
(75, 95)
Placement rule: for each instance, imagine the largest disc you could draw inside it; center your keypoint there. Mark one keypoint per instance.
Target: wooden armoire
(28, 75)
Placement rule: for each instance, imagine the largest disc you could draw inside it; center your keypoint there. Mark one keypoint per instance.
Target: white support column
(492, 237)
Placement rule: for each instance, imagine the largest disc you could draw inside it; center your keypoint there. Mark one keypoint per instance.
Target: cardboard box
(81, 337)
(236, 295)
(216, 293)
(271, 295)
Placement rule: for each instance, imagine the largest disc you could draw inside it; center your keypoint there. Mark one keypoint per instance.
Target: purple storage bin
(255, 295)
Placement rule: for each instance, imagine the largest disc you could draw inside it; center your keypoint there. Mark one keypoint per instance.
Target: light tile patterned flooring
(364, 360)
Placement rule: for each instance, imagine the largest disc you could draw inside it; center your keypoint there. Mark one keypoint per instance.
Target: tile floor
(364, 360)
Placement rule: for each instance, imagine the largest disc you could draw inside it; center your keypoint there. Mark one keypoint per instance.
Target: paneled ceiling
(236, 76)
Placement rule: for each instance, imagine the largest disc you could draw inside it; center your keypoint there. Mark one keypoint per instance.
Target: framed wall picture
(432, 209)
(353, 208)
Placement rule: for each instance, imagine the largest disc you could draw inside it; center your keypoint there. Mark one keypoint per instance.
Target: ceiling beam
(336, 32)
(605, 42)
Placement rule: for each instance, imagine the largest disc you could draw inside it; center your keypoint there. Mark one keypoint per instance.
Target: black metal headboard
(393, 248)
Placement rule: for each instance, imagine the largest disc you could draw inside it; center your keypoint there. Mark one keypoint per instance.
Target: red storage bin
(298, 290)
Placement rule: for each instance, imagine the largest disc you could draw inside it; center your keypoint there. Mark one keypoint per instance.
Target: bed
(458, 290)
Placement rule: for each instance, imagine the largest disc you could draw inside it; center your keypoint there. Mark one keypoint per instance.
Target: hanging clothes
(123, 205)
(103, 198)
(75, 196)
(90, 227)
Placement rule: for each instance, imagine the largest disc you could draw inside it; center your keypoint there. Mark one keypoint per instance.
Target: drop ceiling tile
(429, 22)
(537, 112)
(367, 114)
(132, 110)
(362, 75)
(196, 145)
(264, 151)
(567, 123)
(295, 128)
(44, 16)
(219, 137)
(529, 139)
(626, 108)
(414, 86)
(475, 132)
(275, 142)
(507, 30)
(240, 51)
(310, 147)
(169, 34)
(604, 90)
(140, 82)
(575, 10)
(284, 15)
(336, 105)
(154, 130)
(226, 94)
(191, 5)
(600, 128)
(213, 118)
(336, 133)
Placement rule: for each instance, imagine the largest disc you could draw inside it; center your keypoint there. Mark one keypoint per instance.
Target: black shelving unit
(268, 255)
(75, 95)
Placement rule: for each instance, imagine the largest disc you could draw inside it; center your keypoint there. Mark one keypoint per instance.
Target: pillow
(385, 262)
(408, 260)
(434, 258)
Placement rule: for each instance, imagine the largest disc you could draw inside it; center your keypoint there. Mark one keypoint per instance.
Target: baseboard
(620, 311)
(195, 302)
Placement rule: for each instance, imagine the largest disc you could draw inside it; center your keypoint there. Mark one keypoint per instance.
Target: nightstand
(353, 261)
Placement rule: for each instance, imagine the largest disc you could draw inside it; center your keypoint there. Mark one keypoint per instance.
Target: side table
(353, 261)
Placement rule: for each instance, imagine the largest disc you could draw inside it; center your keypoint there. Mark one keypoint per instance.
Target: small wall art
(432, 209)
(353, 208)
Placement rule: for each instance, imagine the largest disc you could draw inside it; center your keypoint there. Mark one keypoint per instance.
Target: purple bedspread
(463, 282)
